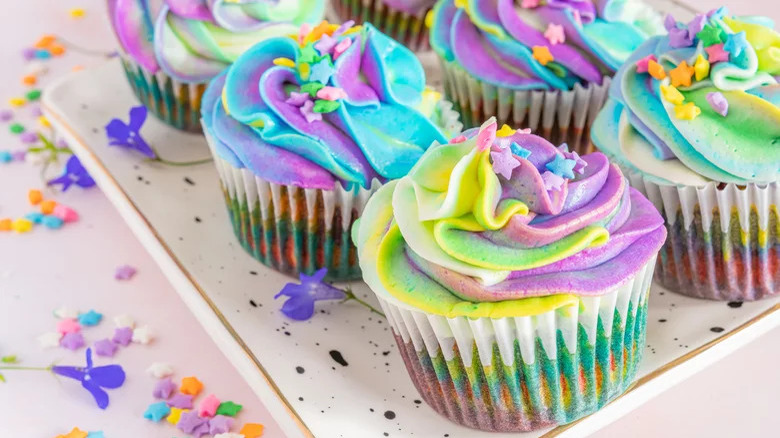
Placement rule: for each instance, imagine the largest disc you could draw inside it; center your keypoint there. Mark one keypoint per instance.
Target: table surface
(73, 267)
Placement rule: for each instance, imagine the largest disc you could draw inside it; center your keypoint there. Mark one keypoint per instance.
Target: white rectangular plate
(179, 215)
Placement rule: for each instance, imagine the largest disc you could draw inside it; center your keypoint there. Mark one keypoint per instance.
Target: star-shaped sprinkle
(718, 103)
(718, 13)
(191, 386)
(181, 401)
(519, 150)
(709, 35)
(297, 99)
(679, 38)
(322, 71)
(343, 27)
(66, 313)
(143, 335)
(326, 44)
(542, 54)
(701, 68)
(311, 88)
(458, 139)
(208, 406)
(124, 320)
(715, 53)
(555, 34)
(656, 70)
(688, 111)
(325, 106)
(304, 70)
(68, 325)
(529, 4)
(220, 424)
(487, 134)
(307, 54)
(307, 110)
(505, 131)
(580, 165)
(229, 408)
(175, 415)
(49, 339)
(157, 411)
(72, 341)
(160, 370)
(696, 25)
(189, 422)
(303, 31)
(284, 62)
(682, 75)
(736, 43)
(252, 430)
(96, 434)
(341, 47)
(561, 166)
(164, 389)
(75, 433)
(123, 336)
(504, 162)
(331, 93)
(90, 318)
(641, 65)
(552, 181)
(124, 272)
(105, 348)
(672, 94)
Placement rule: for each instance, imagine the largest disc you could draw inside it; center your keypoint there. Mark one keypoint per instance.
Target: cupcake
(304, 131)
(515, 276)
(404, 20)
(171, 49)
(544, 65)
(694, 119)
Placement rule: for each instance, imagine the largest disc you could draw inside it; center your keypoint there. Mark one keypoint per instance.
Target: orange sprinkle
(45, 41)
(656, 70)
(252, 430)
(77, 68)
(5, 224)
(35, 196)
(29, 80)
(47, 206)
(57, 50)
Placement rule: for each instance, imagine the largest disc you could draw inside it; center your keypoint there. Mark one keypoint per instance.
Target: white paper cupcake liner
(525, 373)
(559, 116)
(729, 257)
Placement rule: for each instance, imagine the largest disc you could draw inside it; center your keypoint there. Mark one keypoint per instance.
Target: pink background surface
(74, 267)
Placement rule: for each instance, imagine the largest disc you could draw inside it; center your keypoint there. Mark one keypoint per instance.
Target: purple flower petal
(100, 396)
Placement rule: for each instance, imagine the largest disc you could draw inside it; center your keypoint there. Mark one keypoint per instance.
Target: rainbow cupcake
(545, 65)
(694, 120)
(515, 276)
(171, 49)
(304, 131)
(404, 20)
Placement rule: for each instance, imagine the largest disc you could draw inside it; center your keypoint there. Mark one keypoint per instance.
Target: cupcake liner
(174, 102)
(293, 229)
(409, 30)
(560, 116)
(530, 372)
(728, 257)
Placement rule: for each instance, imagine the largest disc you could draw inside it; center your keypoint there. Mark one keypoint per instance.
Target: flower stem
(352, 297)
(20, 368)
(181, 163)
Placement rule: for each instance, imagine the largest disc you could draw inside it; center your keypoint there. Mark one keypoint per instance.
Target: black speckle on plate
(189, 181)
(338, 357)
(300, 370)
(735, 304)
(716, 329)
(661, 320)
(300, 398)
(252, 303)
(197, 219)
(417, 402)
(389, 415)
(253, 272)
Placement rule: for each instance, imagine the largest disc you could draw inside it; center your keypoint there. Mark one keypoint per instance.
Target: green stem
(352, 297)
(181, 163)
(20, 368)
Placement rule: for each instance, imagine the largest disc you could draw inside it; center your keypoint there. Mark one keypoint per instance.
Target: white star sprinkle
(143, 335)
(160, 370)
(124, 321)
(49, 339)
(66, 313)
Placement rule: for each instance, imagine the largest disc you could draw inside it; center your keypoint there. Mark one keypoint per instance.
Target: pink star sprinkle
(641, 65)
(458, 139)
(305, 30)
(555, 34)
(331, 93)
(208, 407)
(504, 162)
(68, 325)
(124, 272)
(552, 181)
(529, 4)
(487, 134)
(341, 47)
(307, 112)
(715, 53)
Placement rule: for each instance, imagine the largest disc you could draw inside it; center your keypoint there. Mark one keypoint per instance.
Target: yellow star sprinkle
(505, 131)
(43, 121)
(304, 70)
(77, 13)
(543, 55)
(672, 94)
(17, 101)
(681, 75)
(656, 70)
(175, 414)
(689, 111)
(429, 19)
(701, 68)
(284, 62)
(75, 433)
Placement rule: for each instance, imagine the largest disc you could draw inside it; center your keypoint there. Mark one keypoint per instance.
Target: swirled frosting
(340, 104)
(534, 44)
(505, 224)
(699, 104)
(194, 40)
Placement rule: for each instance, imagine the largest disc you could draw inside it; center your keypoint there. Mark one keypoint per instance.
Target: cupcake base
(723, 239)
(526, 373)
(409, 30)
(173, 102)
(559, 116)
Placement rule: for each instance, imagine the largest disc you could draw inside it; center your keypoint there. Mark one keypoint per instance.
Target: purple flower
(74, 173)
(128, 136)
(94, 379)
(301, 297)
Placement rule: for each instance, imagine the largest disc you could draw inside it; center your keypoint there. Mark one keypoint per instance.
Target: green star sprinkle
(312, 88)
(308, 54)
(33, 95)
(16, 128)
(325, 106)
(709, 35)
(228, 408)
